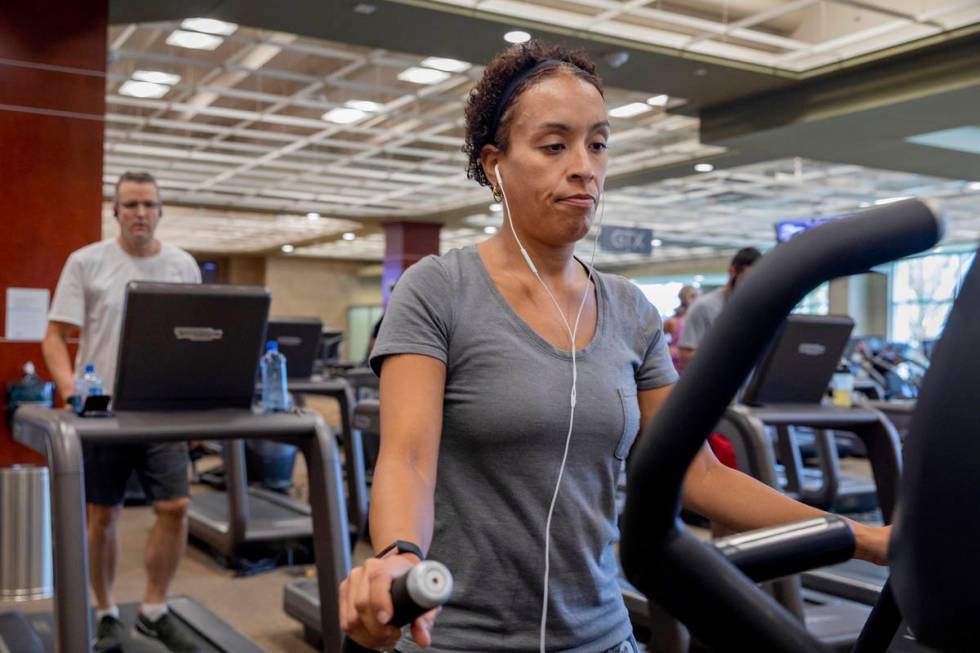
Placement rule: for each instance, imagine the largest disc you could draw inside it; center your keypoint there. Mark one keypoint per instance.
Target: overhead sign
(626, 240)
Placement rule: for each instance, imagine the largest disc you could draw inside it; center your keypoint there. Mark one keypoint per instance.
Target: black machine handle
(657, 554)
(770, 553)
(427, 585)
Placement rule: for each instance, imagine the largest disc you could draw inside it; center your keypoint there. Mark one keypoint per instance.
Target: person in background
(706, 310)
(700, 317)
(89, 301)
(674, 326)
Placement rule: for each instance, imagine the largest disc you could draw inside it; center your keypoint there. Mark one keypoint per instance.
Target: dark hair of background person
(139, 178)
(745, 258)
(502, 70)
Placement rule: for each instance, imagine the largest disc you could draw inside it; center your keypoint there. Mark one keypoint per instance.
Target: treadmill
(60, 434)
(200, 387)
(301, 597)
(796, 370)
(242, 517)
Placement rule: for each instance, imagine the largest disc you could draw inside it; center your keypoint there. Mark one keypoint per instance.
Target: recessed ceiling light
(365, 8)
(209, 25)
(143, 89)
(418, 75)
(156, 77)
(703, 167)
(313, 215)
(658, 100)
(287, 249)
(343, 115)
(656, 242)
(629, 110)
(350, 235)
(363, 105)
(447, 65)
(496, 207)
(490, 230)
(517, 36)
(194, 40)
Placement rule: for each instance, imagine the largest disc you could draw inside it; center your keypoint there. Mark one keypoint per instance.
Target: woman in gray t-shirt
(479, 415)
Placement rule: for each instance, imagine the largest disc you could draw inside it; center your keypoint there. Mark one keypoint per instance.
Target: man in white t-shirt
(89, 299)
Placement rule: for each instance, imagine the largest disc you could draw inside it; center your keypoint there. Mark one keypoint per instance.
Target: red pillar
(52, 107)
(406, 243)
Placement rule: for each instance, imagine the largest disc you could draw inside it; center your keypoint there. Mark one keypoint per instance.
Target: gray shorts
(160, 467)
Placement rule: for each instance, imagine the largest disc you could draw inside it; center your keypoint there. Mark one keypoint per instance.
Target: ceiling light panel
(447, 65)
(630, 110)
(194, 40)
(140, 89)
(210, 26)
(344, 115)
(418, 75)
(156, 77)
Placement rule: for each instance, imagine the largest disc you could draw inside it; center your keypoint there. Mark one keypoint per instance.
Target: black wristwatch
(402, 546)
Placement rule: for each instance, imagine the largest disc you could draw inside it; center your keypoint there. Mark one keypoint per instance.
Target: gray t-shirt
(701, 316)
(505, 417)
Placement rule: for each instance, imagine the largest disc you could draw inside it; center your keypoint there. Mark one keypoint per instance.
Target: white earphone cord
(572, 333)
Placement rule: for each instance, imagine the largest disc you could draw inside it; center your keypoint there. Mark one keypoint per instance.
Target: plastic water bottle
(88, 385)
(30, 389)
(841, 387)
(275, 396)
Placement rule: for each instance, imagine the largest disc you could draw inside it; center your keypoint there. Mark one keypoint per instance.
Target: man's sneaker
(109, 633)
(168, 632)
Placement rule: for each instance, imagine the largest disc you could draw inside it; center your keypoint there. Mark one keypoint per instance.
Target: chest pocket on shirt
(631, 420)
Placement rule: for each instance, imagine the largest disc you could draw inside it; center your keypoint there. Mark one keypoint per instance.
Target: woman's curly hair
(505, 67)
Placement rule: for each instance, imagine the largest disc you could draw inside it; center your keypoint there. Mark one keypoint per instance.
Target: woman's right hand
(366, 607)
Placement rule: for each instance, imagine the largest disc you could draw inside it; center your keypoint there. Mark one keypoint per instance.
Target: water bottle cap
(89, 368)
(29, 368)
(271, 345)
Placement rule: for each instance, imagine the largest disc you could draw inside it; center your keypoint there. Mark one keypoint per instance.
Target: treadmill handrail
(357, 494)
(657, 556)
(60, 434)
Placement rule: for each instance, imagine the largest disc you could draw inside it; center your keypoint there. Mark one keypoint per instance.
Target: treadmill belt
(214, 505)
(270, 518)
(217, 634)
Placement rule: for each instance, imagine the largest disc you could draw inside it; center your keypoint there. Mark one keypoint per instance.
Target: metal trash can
(25, 534)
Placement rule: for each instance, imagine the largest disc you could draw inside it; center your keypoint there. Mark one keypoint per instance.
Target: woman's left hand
(871, 542)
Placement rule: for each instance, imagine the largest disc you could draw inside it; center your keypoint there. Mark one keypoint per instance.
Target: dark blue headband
(508, 93)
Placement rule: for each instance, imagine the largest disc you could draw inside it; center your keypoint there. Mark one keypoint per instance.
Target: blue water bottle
(88, 385)
(275, 396)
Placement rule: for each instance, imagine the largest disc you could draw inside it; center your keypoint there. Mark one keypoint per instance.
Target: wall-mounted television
(788, 229)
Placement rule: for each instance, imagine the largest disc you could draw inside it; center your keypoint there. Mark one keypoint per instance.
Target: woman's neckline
(521, 324)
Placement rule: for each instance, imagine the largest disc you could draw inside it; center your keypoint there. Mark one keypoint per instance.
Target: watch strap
(402, 546)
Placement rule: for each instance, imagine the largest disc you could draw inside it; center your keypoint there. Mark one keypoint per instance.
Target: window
(663, 292)
(922, 292)
(663, 295)
(816, 302)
